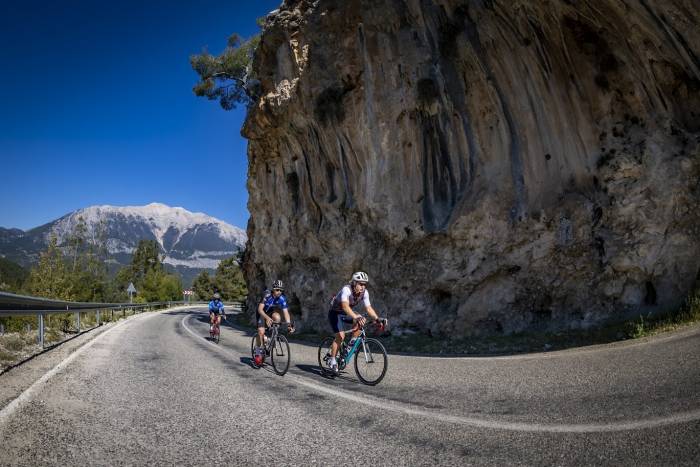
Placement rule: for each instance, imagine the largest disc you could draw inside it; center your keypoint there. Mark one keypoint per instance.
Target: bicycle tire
(365, 360)
(323, 349)
(280, 356)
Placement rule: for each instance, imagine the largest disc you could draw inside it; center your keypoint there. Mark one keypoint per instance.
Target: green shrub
(18, 323)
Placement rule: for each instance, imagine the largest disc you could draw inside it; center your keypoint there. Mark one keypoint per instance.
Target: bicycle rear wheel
(323, 350)
(371, 362)
(280, 355)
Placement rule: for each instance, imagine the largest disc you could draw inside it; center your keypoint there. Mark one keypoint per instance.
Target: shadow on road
(249, 361)
(316, 371)
(313, 369)
(178, 313)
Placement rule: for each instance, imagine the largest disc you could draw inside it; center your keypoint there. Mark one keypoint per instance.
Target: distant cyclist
(268, 311)
(341, 314)
(216, 311)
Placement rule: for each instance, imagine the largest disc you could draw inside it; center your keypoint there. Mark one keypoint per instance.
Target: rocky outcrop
(495, 166)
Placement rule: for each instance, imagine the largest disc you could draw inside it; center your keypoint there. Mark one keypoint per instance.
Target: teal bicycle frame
(360, 339)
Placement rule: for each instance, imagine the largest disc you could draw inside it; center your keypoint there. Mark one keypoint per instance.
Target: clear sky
(97, 108)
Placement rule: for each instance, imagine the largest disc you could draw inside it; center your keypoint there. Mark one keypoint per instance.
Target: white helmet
(360, 276)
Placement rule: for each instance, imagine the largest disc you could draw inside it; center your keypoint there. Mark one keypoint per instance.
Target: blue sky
(97, 108)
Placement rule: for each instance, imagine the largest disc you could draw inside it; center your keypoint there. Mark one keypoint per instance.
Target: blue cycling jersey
(216, 306)
(269, 301)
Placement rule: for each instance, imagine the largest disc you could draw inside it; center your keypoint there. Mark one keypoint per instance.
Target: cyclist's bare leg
(339, 336)
(261, 333)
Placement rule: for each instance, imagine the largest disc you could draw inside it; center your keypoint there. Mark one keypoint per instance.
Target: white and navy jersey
(346, 295)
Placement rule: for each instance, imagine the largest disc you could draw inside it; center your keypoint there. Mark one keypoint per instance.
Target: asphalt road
(153, 390)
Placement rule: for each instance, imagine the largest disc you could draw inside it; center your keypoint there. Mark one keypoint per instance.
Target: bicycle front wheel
(280, 356)
(371, 362)
(323, 350)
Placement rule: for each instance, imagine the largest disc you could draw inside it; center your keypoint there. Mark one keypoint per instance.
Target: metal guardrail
(20, 305)
(23, 305)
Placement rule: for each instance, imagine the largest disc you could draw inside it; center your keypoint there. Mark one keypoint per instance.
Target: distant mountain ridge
(189, 241)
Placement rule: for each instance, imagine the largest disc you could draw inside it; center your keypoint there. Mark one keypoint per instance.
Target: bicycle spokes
(371, 362)
(280, 355)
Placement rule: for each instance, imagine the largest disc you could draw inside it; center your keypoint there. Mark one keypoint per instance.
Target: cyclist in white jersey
(341, 313)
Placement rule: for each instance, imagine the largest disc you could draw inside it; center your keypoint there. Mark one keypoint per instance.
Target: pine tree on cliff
(226, 77)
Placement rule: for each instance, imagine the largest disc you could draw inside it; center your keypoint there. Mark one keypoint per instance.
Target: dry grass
(6, 356)
(688, 315)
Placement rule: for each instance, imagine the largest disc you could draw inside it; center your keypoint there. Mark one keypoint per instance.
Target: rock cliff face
(494, 166)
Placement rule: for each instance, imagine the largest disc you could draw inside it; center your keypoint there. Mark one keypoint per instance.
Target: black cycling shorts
(261, 321)
(339, 321)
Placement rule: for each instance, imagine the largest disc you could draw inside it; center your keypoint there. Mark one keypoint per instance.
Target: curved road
(153, 390)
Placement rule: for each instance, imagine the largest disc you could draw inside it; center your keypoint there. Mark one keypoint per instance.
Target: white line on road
(28, 393)
(408, 409)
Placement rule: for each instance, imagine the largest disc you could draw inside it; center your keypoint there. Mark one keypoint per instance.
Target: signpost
(131, 290)
(187, 294)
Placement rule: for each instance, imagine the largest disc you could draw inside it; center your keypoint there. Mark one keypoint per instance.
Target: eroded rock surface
(494, 166)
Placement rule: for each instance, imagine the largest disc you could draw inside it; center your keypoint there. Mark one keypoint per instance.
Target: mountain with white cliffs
(189, 241)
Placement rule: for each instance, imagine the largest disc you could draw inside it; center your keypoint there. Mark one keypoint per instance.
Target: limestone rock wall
(494, 166)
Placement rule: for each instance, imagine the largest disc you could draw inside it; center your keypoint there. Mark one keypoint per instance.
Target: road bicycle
(371, 361)
(215, 329)
(276, 347)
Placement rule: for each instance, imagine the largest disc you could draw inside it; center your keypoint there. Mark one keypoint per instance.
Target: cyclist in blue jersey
(216, 311)
(268, 311)
(341, 314)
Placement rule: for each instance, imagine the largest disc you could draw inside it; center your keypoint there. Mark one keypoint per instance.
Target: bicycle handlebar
(288, 325)
(369, 320)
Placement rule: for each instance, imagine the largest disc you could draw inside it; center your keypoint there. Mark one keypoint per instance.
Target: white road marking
(32, 390)
(408, 409)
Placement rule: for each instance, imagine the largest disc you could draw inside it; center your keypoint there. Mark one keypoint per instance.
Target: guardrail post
(41, 330)
(98, 317)
(77, 320)
(2, 329)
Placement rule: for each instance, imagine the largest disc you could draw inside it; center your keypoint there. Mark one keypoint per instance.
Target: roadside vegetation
(20, 339)
(76, 270)
(228, 281)
(649, 325)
